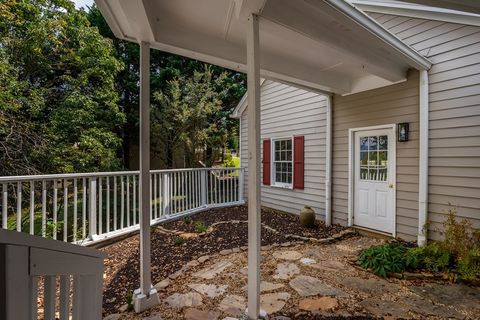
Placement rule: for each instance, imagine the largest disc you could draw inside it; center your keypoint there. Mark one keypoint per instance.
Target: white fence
(70, 278)
(90, 207)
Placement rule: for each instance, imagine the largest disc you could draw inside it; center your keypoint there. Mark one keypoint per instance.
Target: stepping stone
(202, 259)
(115, 316)
(196, 314)
(233, 305)
(212, 271)
(307, 261)
(382, 308)
(309, 286)
(375, 286)
(287, 255)
(209, 290)
(273, 302)
(449, 294)
(162, 284)
(329, 265)
(316, 305)
(286, 270)
(267, 286)
(179, 300)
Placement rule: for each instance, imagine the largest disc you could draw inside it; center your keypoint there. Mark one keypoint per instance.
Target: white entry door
(374, 178)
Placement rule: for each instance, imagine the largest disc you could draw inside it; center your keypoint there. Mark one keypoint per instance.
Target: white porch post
(423, 160)
(146, 296)
(253, 83)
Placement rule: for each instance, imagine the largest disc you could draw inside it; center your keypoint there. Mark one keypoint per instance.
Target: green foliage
(384, 259)
(458, 255)
(58, 103)
(179, 241)
(187, 220)
(200, 227)
(130, 305)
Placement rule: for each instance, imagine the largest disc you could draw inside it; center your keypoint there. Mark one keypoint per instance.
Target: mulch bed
(122, 263)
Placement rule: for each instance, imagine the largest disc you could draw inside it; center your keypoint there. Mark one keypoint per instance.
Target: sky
(83, 3)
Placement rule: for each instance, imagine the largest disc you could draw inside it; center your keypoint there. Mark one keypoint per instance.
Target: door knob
(390, 185)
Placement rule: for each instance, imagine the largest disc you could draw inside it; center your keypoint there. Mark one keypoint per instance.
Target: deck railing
(86, 208)
(46, 279)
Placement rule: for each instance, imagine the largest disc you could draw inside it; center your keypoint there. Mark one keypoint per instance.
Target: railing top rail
(9, 179)
(24, 239)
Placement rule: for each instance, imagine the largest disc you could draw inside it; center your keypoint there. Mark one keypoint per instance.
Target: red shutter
(298, 162)
(266, 161)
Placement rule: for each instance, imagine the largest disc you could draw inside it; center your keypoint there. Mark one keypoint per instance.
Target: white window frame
(273, 178)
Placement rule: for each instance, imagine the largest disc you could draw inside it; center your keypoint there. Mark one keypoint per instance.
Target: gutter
(416, 60)
(423, 160)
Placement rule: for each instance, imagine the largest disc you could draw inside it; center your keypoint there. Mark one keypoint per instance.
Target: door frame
(351, 171)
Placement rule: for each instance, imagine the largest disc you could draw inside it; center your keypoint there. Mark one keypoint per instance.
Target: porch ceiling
(326, 45)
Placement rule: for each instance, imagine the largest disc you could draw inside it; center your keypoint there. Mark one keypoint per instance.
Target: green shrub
(200, 227)
(187, 220)
(230, 161)
(384, 259)
(130, 301)
(432, 257)
(468, 266)
(179, 241)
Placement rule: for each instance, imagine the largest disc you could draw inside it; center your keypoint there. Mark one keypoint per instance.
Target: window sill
(282, 186)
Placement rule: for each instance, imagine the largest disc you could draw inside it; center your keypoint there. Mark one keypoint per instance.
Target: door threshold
(373, 233)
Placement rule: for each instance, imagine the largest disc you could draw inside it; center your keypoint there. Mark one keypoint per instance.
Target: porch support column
(253, 110)
(423, 160)
(328, 163)
(146, 296)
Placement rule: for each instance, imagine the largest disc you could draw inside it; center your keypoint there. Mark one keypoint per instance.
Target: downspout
(328, 162)
(423, 161)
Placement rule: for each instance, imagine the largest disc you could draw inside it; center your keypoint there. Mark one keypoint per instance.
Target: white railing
(47, 279)
(86, 208)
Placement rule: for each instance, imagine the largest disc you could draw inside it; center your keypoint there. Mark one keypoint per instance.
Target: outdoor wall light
(402, 131)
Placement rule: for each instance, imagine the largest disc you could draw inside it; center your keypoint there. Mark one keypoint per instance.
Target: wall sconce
(402, 131)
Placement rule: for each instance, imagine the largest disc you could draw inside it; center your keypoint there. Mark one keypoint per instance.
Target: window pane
(383, 142)
(289, 167)
(278, 177)
(289, 155)
(284, 177)
(364, 173)
(289, 144)
(363, 158)
(277, 155)
(289, 177)
(372, 158)
(277, 145)
(372, 144)
(372, 174)
(383, 158)
(363, 143)
(278, 167)
(382, 175)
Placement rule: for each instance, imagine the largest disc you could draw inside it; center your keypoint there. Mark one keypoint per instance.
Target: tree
(166, 68)
(58, 106)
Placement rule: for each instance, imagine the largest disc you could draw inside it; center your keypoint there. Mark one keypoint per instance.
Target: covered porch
(328, 46)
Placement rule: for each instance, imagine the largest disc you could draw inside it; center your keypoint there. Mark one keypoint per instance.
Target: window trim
(273, 178)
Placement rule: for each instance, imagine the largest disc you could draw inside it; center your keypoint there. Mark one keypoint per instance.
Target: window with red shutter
(282, 165)
(266, 161)
(299, 162)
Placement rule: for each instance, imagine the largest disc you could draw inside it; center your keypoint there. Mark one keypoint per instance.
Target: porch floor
(307, 281)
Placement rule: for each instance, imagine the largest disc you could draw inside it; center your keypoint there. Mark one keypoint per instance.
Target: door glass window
(374, 158)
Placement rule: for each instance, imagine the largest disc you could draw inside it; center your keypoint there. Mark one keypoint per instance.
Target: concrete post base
(141, 302)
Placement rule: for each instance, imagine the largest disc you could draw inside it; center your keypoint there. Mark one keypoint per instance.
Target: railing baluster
(55, 204)
(64, 297)
(127, 178)
(4, 206)
(84, 208)
(108, 203)
(184, 197)
(49, 297)
(65, 210)
(44, 208)
(174, 192)
(122, 202)
(19, 206)
(75, 209)
(92, 214)
(115, 203)
(160, 196)
(100, 206)
(154, 196)
(134, 200)
(151, 202)
(32, 207)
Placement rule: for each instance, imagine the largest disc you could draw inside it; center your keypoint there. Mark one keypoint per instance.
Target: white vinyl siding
(454, 162)
(287, 111)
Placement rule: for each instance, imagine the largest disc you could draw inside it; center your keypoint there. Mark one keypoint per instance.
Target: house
(375, 178)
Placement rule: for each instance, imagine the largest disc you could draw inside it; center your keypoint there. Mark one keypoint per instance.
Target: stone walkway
(303, 280)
